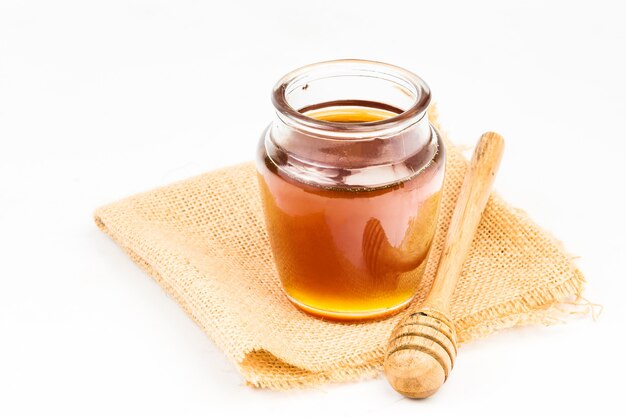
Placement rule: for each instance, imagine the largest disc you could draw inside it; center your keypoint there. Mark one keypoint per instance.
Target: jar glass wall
(351, 174)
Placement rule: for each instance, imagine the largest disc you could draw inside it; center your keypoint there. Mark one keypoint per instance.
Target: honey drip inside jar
(353, 250)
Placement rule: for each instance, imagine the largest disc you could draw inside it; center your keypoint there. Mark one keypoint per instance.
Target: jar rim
(412, 114)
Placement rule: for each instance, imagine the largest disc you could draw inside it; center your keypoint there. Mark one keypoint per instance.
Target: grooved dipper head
(421, 353)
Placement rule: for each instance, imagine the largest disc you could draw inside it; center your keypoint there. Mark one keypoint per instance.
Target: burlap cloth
(204, 241)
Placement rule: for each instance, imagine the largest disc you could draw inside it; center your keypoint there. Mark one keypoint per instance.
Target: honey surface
(350, 114)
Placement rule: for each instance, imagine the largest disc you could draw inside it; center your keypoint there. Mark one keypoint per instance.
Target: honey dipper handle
(467, 213)
(422, 348)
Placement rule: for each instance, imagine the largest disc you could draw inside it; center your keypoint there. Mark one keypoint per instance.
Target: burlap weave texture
(204, 241)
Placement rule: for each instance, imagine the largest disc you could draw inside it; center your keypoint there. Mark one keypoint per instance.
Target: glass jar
(351, 174)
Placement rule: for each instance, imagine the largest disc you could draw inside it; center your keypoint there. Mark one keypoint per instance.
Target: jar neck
(364, 153)
(353, 80)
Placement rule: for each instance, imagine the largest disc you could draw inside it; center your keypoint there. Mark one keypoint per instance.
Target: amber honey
(356, 247)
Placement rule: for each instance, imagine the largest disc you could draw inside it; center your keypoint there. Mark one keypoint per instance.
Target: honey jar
(351, 174)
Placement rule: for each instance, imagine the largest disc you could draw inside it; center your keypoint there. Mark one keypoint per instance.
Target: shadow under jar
(351, 175)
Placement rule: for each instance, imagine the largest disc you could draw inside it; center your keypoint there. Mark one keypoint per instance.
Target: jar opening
(400, 97)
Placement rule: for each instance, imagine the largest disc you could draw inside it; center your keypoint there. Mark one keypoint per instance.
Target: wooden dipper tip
(421, 353)
(422, 347)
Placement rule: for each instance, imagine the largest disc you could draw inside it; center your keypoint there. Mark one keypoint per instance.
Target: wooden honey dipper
(422, 347)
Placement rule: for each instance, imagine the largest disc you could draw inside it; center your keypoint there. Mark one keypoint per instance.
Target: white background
(100, 100)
